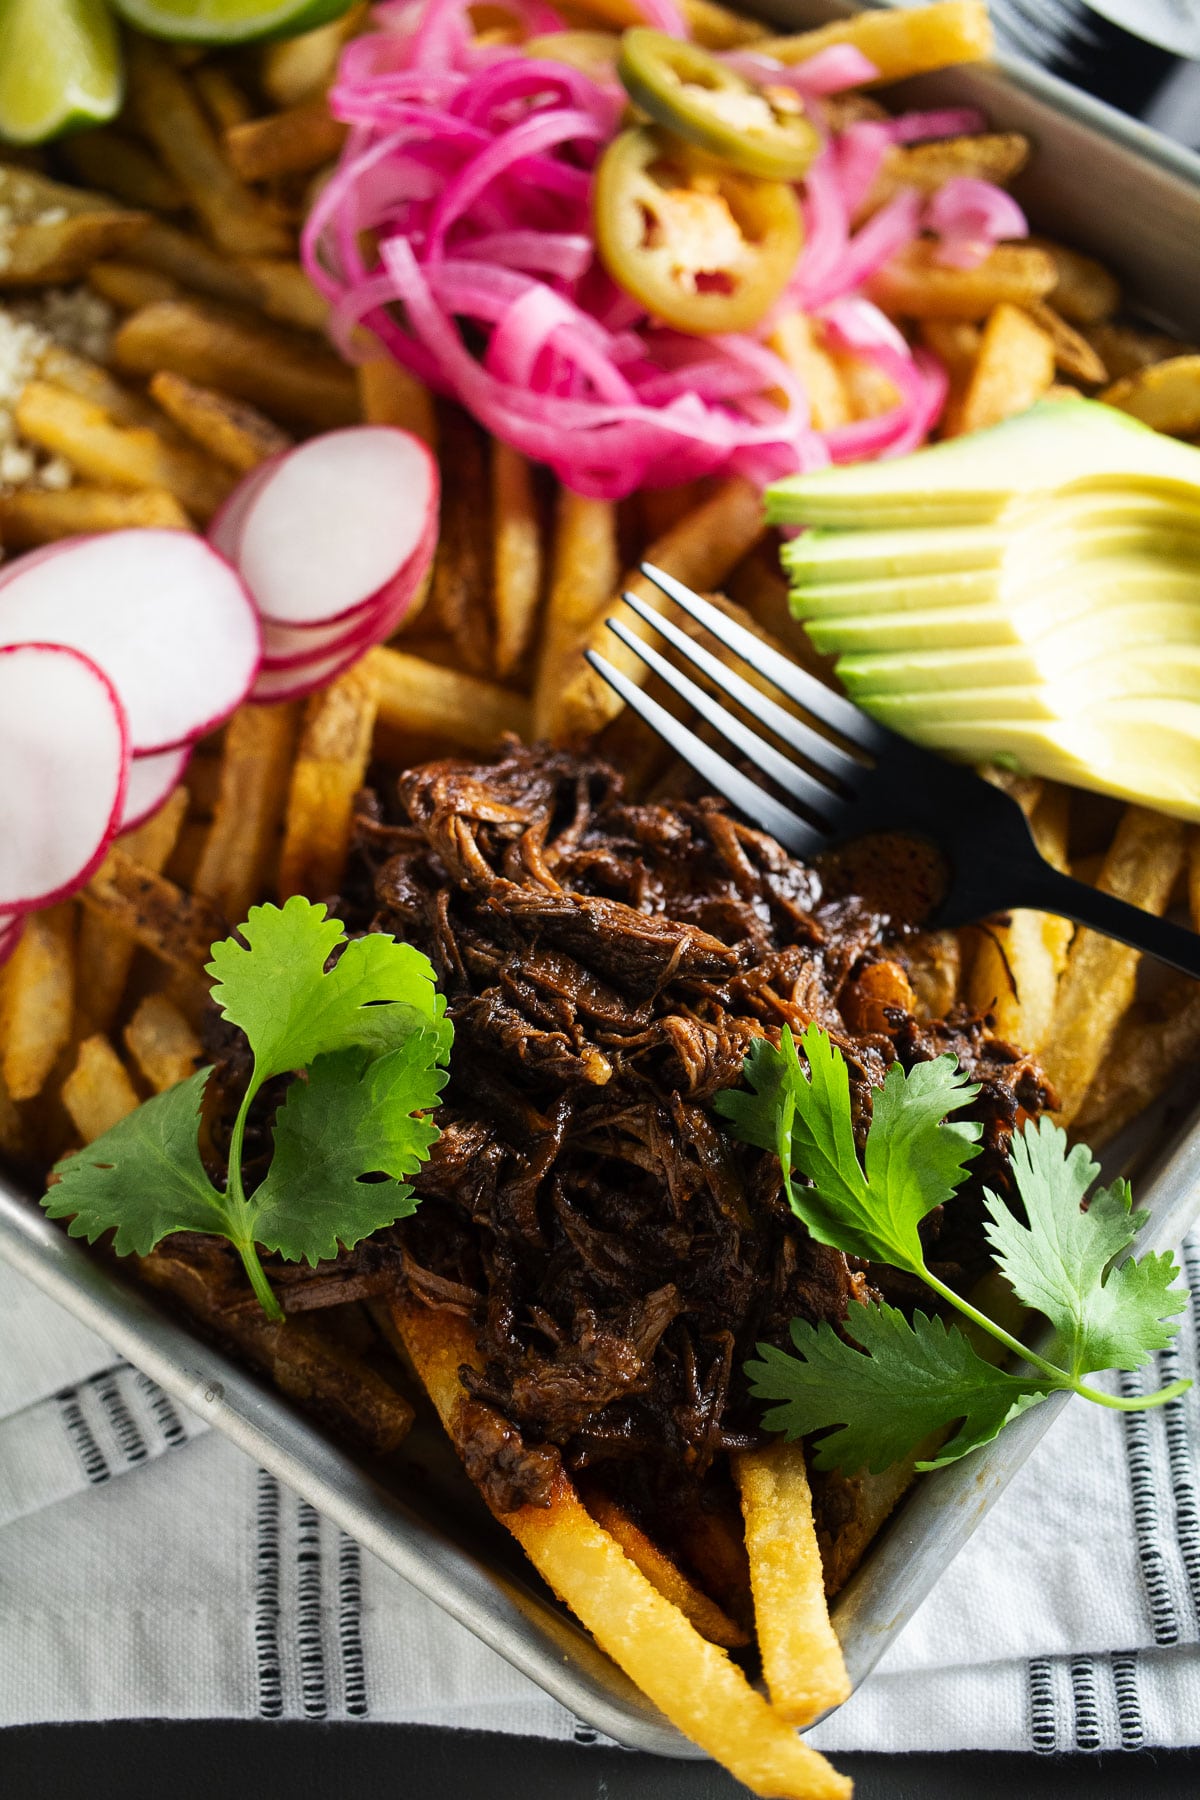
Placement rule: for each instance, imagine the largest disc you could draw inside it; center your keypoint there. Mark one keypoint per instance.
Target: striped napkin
(149, 1570)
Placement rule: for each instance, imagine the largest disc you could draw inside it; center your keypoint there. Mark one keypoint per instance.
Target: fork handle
(1048, 890)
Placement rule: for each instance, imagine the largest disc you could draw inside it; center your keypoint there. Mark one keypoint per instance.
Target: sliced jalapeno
(761, 131)
(704, 248)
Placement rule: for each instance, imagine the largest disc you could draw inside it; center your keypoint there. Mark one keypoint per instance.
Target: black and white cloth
(149, 1570)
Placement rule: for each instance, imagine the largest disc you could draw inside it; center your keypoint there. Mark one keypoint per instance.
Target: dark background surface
(391, 1762)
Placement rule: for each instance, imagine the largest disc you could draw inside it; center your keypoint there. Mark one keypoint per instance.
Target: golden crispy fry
(98, 1093)
(286, 143)
(700, 552)
(1142, 866)
(709, 24)
(331, 763)
(1072, 352)
(861, 1503)
(114, 164)
(168, 114)
(423, 700)
(1017, 965)
(802, 1659)
(899, 43)
(462, 564)
(178, 928)
(585, 570)
(189, 261)
(1165, 395)
(286, 294)
(391, 396)
(128, 285)
(955, 343)
(1014, 368)
(106, 953)
(1124, 348)
(990, 156)
(594, 53)
(61, 246)
(226, 104)
(75, 374)
(38, 999)
(298, 67)
(692, 1681)
(128, 456)
(236, 862)
(915, 285)
(33, 516)
(867, 390)
(1084, 291)
(695, 1605)
(287, 375)
(13, 1138)
(236, 433)
(1152, 1045)
(302, 1357)
(162, 1043)
(798, 340)
(934, 962)
(516, 556)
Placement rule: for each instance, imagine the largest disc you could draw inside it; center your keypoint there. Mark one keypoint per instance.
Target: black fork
(874, 781)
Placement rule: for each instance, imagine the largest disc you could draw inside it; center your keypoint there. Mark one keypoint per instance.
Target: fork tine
(840, 715)
(779, 769)
(793, 832)
(820, 750)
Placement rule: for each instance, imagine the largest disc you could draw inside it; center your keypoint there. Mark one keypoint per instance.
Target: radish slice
(160, 611)
(10, 937)
(64, 743)
(334, 524)
(225, 526)
(152, 780)
(291, 646)
(290, 684)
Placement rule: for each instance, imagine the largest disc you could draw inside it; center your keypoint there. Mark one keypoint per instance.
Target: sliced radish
(161, 612)
(10, 937)
(291, 684)
(291, 647)
(64, 747)
(333, 526)
(152, 780)
(225, 526)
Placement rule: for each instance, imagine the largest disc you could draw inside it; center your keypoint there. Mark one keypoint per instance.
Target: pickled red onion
(970, 216)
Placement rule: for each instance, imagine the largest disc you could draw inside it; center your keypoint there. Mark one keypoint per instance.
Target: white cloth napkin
(149, 1570)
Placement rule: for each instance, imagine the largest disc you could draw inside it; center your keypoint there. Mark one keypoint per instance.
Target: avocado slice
(1056, 446)
(1163, 670)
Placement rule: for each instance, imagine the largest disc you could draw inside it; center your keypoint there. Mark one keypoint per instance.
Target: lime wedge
(60, 67)
(228, 21)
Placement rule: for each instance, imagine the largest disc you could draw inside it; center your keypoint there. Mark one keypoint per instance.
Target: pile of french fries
(184, 217)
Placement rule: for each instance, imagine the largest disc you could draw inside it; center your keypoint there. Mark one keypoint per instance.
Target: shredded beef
(606, 966)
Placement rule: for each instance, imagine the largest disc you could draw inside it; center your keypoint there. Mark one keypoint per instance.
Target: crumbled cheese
(76, 319)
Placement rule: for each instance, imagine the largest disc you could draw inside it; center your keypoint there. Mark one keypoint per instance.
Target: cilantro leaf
(277, 989)
(1061, 1261)
(913, 1161)
(916, 1378)
(351, 1118)
(144, 1177)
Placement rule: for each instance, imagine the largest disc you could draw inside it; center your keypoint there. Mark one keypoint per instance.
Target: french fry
(1017, 966)
(1153, 1044)
(1015, 367)
(236, 433)
(127, 456)
(106, 953)
(239, 847)
(424, 700)
(169, 116)
(287, 375)
(178, 928)
(38, 1000)
(955, 343)
(162, 1043)
(13, 1139)
(461, 566)
(1142, 866)
(114, 164)
(1072, 352)
(861, 1504)
(331, 763)
(700, 552)
(128, 285)
(296, 68)
(187, 260)
(227, 105)
(585, 569)
(1165, 395)
(899, 44)
(1084, 290)
(292, 142)
(796, 338)
(62, 248)
(286, 294)
(98, 1093)
(713, 26)
(391, 396)
(516, 556)
(77, 375)
(802, 1659)
(914, 285)
(692, 1681)
(695, 1605)
(995, 156)
(935, 972)
(1124, 347)
(33, 516)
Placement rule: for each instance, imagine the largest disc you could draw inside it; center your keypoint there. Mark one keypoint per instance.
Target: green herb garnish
(923, 1374)
(369, 1042)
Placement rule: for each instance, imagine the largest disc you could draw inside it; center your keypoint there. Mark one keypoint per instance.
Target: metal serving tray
(1110, 186)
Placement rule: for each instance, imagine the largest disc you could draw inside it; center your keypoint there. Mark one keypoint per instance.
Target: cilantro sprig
(921, 1375)
(369, 1042)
